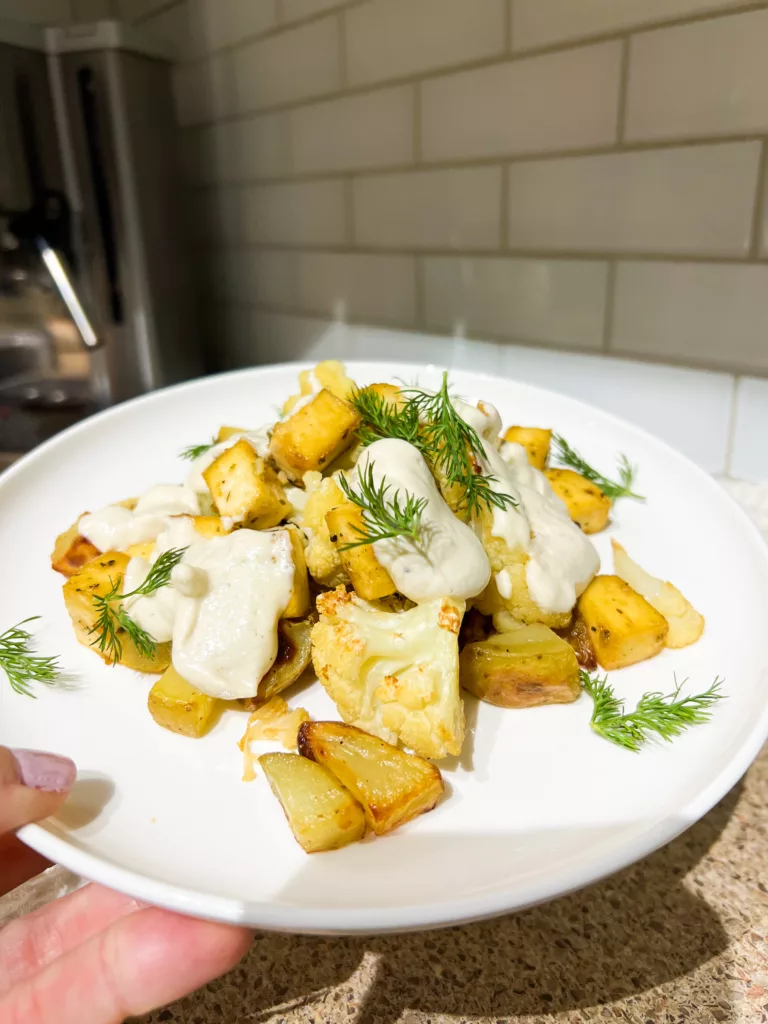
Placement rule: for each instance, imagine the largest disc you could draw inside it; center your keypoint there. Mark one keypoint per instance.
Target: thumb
(33, 785)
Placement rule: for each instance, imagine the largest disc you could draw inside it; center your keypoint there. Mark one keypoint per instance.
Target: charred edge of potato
(294, 653)
(579, 637)
(72, 551)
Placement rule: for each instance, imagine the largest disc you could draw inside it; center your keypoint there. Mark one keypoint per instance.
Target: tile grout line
(421, 312)
(416, 100)
(509, 22)
(349, 214)
(342, 44)
(729, 448)
(610, 301)
(504, 213)
(621, 105)
(759, 205)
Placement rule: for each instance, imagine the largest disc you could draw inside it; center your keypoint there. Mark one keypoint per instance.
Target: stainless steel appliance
(97, 301)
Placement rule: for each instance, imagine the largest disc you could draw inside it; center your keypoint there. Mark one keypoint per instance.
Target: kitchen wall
(57, 12)
(582, 174)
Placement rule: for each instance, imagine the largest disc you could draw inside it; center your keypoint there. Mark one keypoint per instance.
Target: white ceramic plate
(537, 805)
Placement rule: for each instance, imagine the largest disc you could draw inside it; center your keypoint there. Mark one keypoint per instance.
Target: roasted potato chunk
(685, 624)
(367, 575)
(329, 373)
(322, 814)
(142, 550)
(178, 706)
(534, 440)
(210, 526)
(225, 433)
(245, 489)
(579, 636)
(299, 604)
(313, 436)
(96, 579)
(72, 551)
(623, 626)
(521, 669)
(294, 653)
(392, 786)
(587, 506)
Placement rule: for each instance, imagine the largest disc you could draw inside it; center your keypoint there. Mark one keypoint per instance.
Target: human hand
(93, 957)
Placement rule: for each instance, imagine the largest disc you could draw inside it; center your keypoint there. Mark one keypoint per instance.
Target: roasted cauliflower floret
(393, 674)
(323, 559)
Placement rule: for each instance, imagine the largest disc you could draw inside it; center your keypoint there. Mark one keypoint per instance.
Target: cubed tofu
(299, 604)
(313, 436)
(245, 489)
(72, 551)
(535, 440)
(367, 575)
(587, 506)
(329, 373)
(623, 626)
(210, 526)
(178, 706)
(97, 579)
(389, 393)
(225, 433)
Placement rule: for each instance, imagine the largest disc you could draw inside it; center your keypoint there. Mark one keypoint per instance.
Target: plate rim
(298, 918)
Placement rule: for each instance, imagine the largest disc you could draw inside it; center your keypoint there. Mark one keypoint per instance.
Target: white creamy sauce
(450, 560)
(115, 528)
(258, 440)
(561, 559)
(221, 608)
(483, 417)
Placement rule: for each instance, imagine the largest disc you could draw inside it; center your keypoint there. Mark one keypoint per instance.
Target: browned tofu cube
(587, 506)
(367, 575)
(245, 489)
(312, 437)
(534, 440)
(623, 627)
(72, 551)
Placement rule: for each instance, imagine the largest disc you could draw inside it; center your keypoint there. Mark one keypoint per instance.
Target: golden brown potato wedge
(367, 575)
(587, 506)
(313, 436)
(245, 489)
(322, 814)
(72, 551)
(294, 653)
(178, 706)
(623, 626)
(521, 669)
(535, 441)
(96, 579)
(299, 604)
(392, 786)
(685, 624)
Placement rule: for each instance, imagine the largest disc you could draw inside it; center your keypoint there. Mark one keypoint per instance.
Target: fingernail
(48, 772)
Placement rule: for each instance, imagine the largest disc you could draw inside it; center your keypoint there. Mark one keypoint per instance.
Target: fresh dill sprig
(196, 450)
(383, 517)
(455, 450)
(114, 619)
(655, 714)
(19, 662)
(386, 419)
(566, 456)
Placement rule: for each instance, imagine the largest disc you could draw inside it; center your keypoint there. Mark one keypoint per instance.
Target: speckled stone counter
(681, 936)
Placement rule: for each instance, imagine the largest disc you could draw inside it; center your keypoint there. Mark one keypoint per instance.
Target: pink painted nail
(48, 772)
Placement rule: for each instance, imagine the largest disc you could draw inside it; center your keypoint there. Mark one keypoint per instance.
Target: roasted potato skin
(587, 506)
(536, 442)
(322, 814)
(245, 489)
(294, 653)
(176, 705)
(96, 579)
(367, 575)
(392, 785)
(313, 436)
(524, 668)
(623, 626)
(72, 551)
(579, 636)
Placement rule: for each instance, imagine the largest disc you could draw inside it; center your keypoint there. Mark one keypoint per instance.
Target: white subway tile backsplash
(390, 38)
(715, 313)
(695, 199)
(543, 22)
(708, 78)
(749, 453)
(557, 101)
(293, 65)
(358, 286)
(262, 149)
(371, 130)
(132, 10)
(230, 21)
(310, 213)
(560, 302)
(204, 91)
(279, 338)
(183, 28)
(292, 10)
(429, 209)
(218, 215)
(762, 226)
(251, 276)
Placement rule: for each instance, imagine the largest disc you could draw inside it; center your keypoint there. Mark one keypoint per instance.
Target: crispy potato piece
(521, 669)
(225, 433)
(210, 526)
(178, 706)
(535, 440)
(685, 624)
(579, 636)
(392, 786)
(623, 626)
(322, 814)
(245, 489)
(368, 576)
(72, 551)
(299, 604)
(390, 393)
(329, 373)
(94, 579)
(294, 653)
(587, 506)
(313, 436)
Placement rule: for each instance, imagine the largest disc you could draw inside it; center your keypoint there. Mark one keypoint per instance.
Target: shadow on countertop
(619, 938)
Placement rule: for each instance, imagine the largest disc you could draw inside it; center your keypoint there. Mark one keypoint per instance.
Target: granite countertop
(681, 936)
